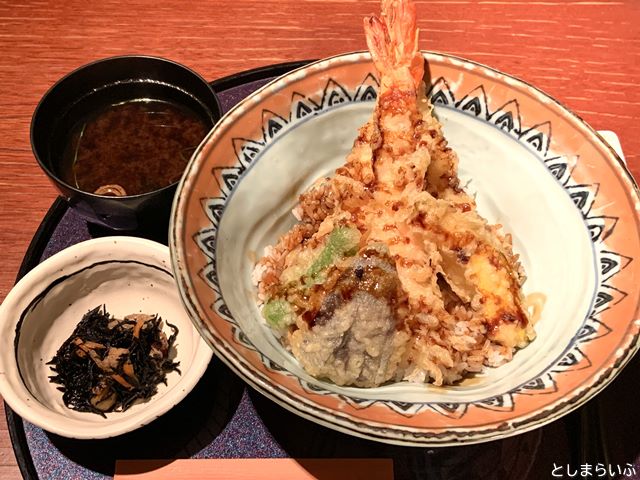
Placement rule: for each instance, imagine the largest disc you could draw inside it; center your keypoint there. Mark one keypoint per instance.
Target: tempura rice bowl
(533, 166)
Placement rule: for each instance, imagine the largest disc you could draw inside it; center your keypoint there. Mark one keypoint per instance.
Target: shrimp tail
(393, 39)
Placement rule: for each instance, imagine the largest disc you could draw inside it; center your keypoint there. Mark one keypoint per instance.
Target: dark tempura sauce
(132, 148)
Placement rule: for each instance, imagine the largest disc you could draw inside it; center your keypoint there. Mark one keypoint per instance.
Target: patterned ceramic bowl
(127, 275)
(564, 195)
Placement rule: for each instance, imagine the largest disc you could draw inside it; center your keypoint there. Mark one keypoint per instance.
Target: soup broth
(132, 147)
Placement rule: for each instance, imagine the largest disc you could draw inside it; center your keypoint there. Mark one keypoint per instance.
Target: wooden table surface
(584, 53)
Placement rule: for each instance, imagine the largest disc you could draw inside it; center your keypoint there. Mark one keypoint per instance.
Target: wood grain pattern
(584, 53)
(256, 468)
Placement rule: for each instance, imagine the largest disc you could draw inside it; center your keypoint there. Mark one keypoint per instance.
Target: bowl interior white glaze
(540, 215)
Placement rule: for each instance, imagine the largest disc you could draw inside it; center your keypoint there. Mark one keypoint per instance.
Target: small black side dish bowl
(94, 87)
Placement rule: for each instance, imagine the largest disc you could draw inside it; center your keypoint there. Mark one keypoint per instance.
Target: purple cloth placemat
(222, 418)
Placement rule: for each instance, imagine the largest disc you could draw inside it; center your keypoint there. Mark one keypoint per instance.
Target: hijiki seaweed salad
(108, 363)
(391, 273)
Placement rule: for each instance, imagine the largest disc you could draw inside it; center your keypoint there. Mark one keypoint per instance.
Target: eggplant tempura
(391, 273)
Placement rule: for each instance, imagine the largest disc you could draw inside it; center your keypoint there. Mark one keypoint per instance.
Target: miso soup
(132, 147)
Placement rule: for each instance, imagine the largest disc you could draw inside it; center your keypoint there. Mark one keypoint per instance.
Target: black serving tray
(224, 418)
